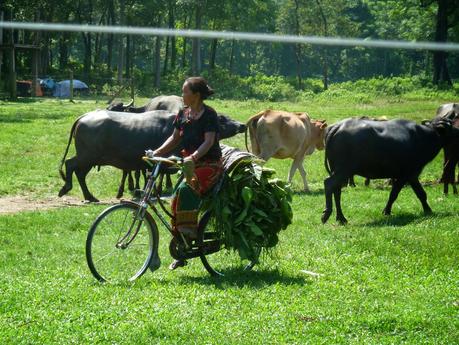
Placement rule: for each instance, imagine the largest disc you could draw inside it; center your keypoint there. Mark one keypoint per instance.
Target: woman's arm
(209, 138)
(170, 143)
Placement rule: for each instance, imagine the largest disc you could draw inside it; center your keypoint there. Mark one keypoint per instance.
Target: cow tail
(251, 126)
(245, 134)
(72, 131)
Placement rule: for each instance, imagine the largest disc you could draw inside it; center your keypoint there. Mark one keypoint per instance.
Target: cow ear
(323, 125)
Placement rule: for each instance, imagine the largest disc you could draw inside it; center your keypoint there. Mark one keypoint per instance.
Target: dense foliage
(251, 209)
(157, 63)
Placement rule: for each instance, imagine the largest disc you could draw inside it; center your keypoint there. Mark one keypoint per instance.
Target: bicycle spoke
(110, 253)
(103, 257)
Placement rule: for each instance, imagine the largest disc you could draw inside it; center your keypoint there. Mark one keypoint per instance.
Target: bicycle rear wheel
(217, 260)
(121, 244)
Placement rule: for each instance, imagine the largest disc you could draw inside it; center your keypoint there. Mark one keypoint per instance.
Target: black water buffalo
(105, 137)
(171, 103)
(451, 150)
(396, 149)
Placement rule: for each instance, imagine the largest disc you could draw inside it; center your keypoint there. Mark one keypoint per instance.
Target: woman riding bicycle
(196, 128)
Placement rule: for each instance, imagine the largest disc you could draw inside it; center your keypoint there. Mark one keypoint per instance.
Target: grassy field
(384, 280)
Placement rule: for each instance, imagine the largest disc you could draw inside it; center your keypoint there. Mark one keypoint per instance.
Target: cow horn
(130, 103)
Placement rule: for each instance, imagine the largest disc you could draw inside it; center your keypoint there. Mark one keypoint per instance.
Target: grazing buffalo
(171, 103)
(114, 138)
(451, 150)
(396, 149)
(281, 134)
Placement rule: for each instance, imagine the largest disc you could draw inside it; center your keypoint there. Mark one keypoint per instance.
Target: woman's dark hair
(199, 84)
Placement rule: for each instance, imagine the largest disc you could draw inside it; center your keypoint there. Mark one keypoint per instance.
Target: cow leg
(303, 175)
(331, 184)
(397, 186)
(421, 194)
(298, 164)
(144, 173)
(130, 181)
(137, 179)
(292, 171)
(453, 181)
(351, 181)
(121, 187)
(159, 184)
(339, 212)
(81, 175)
(70, 167)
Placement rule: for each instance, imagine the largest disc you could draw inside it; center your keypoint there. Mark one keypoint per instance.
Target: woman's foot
(177, 263)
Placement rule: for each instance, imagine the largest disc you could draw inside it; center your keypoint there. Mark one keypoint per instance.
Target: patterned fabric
(187, 198)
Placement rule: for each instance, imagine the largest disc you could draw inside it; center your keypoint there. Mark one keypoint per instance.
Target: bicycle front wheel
(217, 260)
(121, 243)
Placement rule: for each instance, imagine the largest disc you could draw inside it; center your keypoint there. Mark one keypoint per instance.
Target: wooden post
(71, 85)
(132, 89)
(34, 72)
(13, 94)
(12, 67)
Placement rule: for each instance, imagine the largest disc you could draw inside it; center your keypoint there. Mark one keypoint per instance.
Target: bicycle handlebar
(172, 160)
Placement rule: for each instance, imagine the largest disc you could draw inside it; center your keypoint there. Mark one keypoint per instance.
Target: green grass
(384, 280)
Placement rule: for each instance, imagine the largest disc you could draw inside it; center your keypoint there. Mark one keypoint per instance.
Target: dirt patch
(20, 203)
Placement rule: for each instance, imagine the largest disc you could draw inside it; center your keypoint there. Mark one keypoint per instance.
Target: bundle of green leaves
(251, 208)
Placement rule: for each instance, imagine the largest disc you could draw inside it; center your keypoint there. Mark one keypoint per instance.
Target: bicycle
(124, 238)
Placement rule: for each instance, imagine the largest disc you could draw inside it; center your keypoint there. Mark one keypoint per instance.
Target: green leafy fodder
(251, 209)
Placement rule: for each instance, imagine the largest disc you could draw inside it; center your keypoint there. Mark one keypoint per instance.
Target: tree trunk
(128, 56)
(441, 73)
(196, 52)
(231, 61)
(298, 46)
(11, 59)
(324, 52)
(110, 21)
(325, 68)
(158, 62)
(213, 54)
(121, 44)
(87, 40)
(186, 26)
(172, 39)
(63, 51)
(166, 56)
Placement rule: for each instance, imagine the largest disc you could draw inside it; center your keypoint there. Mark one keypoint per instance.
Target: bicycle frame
(149, 200)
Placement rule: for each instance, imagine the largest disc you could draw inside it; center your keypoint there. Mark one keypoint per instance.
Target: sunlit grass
(382, 279)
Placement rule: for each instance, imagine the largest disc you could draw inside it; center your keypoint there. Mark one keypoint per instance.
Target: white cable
(228, 35)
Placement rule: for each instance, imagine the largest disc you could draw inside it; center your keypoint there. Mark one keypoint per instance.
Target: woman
(196, 128)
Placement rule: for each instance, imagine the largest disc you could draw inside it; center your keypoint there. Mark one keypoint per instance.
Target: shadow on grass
(253, 279)
(314, 192)
(406, 218)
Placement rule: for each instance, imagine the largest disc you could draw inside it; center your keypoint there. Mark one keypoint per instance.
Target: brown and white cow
(282, 134)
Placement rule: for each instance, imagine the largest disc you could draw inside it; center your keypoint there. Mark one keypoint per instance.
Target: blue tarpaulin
(62, 88)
